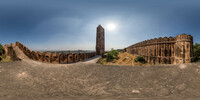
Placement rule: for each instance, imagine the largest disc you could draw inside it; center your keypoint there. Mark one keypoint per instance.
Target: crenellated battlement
(184, 37)
(159, 40)
(48, 57)
(165, 50)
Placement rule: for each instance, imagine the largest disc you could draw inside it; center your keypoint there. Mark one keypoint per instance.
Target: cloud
(71, 24)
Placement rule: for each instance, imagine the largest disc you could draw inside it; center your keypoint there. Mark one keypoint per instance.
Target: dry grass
(7, 59)
(125, 58)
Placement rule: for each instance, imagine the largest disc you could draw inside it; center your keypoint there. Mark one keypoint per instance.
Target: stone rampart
(9, 50)
(172, 50)
(55, 58)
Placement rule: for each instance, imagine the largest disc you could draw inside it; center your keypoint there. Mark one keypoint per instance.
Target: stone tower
(183, 49)
(100, 41)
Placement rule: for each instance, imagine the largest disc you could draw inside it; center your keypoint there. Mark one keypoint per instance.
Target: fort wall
(9, 50)
(54, 57)
(172, 50)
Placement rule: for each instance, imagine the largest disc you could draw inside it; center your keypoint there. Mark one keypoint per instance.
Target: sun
(111, 26)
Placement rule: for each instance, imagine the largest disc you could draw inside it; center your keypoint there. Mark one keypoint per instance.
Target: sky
(71, 24)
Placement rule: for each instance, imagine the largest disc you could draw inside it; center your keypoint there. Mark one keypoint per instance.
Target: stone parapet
(167, 50)
(55, 58)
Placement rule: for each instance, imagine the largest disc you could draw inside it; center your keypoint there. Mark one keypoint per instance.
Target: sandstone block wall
(6, 48)
(172, 50)
(63, 58)
(100, 41)
(9, 50)
(55, 58)
(39, 56)
(70, 58)
(47, 57)
(76, 57)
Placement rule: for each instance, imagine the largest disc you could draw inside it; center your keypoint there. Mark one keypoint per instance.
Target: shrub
(123, 50)
(113, 54)
(196, 50)
(4, 56)
(140, 59)
(1, 49)
(109, 57)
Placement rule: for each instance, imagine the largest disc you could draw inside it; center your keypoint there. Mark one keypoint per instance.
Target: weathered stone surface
(21, 47)
(6, 48)
(81, 55)
(25, 49)
(33, 55)
(84, 56)
(17, 43)
(100, 42)
(47, 57)
(76, 57)
(170, 50)
(28, 54)
(63, 58)
(11, 52)
(70, 58)
(91, 54)
(12, 44)
(39, 56)
(55, 58)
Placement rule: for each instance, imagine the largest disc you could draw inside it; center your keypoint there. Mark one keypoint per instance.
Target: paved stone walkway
(86, 80)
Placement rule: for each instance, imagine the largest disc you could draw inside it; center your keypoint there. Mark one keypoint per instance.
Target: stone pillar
(166, 50)
(100, 41)
(188, 49)
(162, 51)
(172, 54)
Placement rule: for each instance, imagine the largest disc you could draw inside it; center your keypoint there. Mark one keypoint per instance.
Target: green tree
(2, 51)
(113, 54)
(196, 49)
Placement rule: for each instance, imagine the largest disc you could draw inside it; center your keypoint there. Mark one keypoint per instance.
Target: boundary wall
(61, 58)
(172, 50)
(9, 50)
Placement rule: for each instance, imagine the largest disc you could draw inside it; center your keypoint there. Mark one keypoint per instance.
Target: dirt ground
(28, 79)
(125, 59)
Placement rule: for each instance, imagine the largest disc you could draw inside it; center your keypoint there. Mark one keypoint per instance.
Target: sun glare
(111, 27)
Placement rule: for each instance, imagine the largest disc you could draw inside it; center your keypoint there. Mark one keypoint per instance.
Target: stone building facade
(100, 41)
(172, 50)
